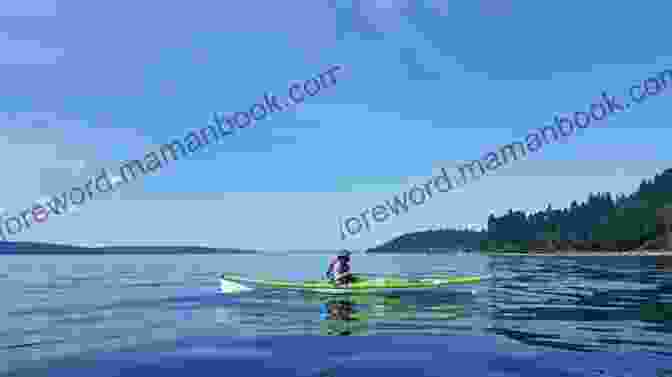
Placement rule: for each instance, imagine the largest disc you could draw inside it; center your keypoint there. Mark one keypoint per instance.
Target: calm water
(139, 315)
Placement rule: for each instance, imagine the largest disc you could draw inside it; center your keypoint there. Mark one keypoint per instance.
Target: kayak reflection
(338, 310)
(336, 316)
(354, 315)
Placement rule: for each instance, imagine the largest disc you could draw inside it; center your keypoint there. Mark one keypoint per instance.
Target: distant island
(36, 248)
(634, 223)
(433, 242)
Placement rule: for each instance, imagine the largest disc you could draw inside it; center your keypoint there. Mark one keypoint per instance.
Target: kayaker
(339, 269)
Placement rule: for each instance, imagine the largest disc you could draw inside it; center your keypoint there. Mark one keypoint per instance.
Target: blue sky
(424, 84)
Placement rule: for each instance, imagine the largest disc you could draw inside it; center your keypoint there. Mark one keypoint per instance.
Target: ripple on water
(531, 305)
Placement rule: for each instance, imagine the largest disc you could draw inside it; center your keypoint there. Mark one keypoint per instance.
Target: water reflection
(664, 263)
(356, 314)
(337, 316)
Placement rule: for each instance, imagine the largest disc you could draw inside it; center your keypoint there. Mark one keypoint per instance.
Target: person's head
(344, 254)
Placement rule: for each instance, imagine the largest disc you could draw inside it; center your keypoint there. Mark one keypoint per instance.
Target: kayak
(361, 284)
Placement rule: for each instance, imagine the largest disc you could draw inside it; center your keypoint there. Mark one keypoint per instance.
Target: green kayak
(234, 282)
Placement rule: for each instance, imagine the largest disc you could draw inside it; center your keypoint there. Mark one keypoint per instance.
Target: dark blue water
(537, 316)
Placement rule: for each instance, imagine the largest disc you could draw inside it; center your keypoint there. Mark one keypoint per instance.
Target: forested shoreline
(601, 223)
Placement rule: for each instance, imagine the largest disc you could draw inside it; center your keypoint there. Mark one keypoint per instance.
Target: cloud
(22, 52)
(28, 8)
(46, 161)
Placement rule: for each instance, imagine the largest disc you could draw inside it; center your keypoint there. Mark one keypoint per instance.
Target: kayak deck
(359, 283)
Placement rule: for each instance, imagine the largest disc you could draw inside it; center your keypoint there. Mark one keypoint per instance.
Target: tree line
(601, 222)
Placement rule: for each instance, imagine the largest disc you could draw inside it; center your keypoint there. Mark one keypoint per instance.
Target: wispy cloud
(20, 52)
(28, 8)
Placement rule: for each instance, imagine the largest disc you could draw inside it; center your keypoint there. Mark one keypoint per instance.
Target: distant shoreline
(35, 248)
(126, 253)
(635, 253)
(564, 253)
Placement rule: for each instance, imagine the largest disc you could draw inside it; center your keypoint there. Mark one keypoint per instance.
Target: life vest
(339, 266)
(343, 266)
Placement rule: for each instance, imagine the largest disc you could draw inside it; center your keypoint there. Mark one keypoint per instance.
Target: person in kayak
(339, 269)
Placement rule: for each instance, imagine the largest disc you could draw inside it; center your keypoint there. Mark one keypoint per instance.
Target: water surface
(134, 315)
